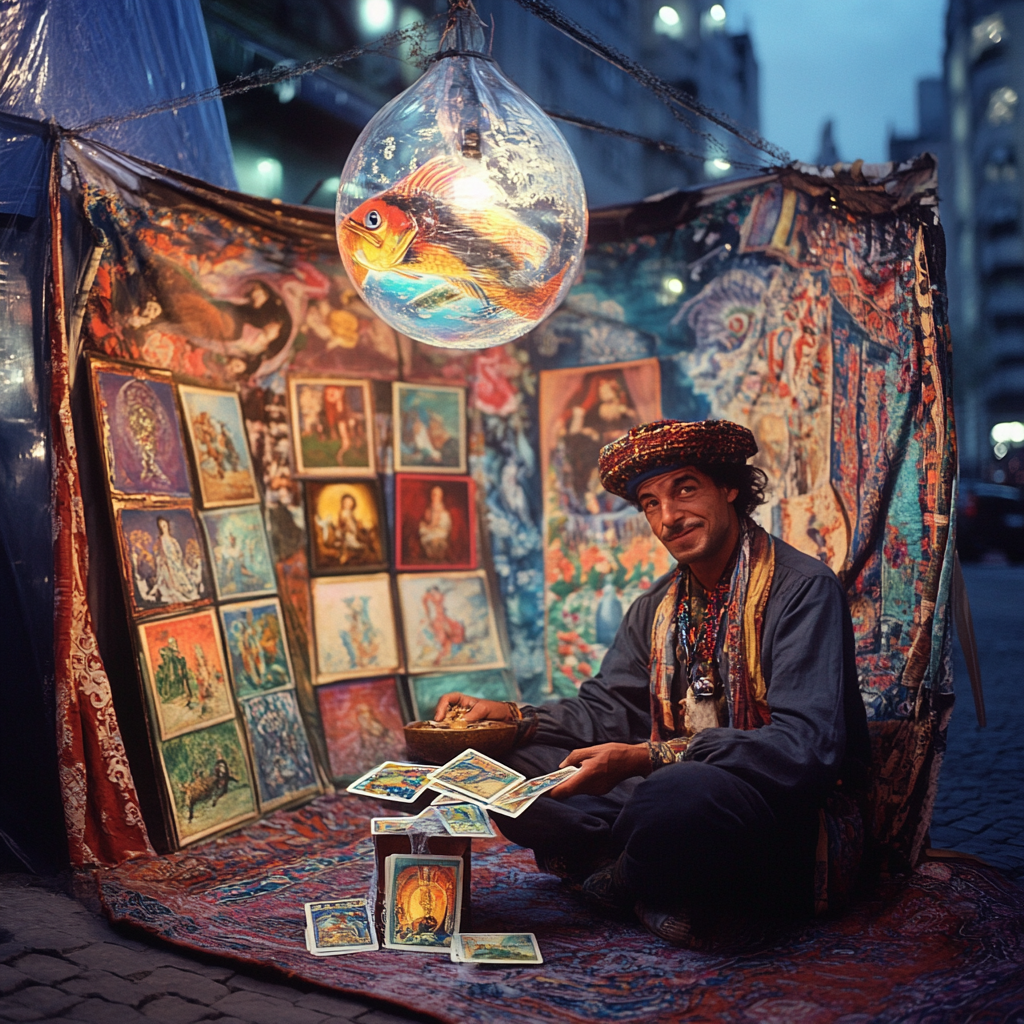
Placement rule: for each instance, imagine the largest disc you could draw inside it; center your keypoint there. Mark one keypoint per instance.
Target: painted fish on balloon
(437, 222)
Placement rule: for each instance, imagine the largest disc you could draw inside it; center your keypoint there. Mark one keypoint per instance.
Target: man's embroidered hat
(655, 448)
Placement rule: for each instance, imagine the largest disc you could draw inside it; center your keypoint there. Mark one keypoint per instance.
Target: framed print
(332, 426)
(219, 446)
(185, 672)
(346, 526)
(140, 435)
(422, 902)
(257, 648)
(208, 781)
(242, 564)
(492, 684)
(449, 622)
(282, 760)
(430, 428)
(435, 522)
(362, 724)
(162, 558)
(354, 627)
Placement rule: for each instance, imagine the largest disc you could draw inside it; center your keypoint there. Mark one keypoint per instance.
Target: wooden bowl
(431, 744)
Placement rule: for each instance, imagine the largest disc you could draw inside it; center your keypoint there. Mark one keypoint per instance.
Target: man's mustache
(672, 532)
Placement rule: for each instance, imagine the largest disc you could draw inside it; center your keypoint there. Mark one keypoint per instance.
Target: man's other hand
(479, 709)
(602, 768)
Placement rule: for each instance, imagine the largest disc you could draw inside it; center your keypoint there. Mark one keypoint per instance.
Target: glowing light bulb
(461, 213)
(669, 15)
(717, 13)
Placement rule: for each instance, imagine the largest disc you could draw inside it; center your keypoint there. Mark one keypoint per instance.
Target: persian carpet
(948, 944)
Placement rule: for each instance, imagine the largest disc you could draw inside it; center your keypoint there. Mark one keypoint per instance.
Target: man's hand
(602, 768)
(479, 709)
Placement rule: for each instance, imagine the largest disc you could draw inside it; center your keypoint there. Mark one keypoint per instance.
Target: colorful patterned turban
(655, 448)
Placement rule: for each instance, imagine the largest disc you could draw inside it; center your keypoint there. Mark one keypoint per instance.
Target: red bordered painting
(435, 522)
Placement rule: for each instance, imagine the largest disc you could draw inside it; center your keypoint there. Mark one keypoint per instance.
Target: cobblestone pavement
(980, 804)
(61, 961)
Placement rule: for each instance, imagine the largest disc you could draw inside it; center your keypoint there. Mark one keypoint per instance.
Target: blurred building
(289, 138)
(973, 120)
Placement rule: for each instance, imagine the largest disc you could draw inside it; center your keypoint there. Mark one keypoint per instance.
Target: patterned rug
(948, 945)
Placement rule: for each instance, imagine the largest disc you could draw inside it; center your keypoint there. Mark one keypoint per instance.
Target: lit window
(667, 22)
(1002, 106)
(987, 33)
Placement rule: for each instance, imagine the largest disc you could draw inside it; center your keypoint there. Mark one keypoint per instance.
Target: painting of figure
(362, 724)
(242, 566)
(435, 522)
(185, 672)
(219, 447)
(332, 423)
(282, 760)
(449, 622)
(430, 428)
(346, 527)
(162, 558)
(208, 781)
(423, 902)
(257, 647)
(140, 435)
(354, 626)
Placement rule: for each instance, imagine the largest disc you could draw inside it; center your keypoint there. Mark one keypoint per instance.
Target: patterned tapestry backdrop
(808, 306)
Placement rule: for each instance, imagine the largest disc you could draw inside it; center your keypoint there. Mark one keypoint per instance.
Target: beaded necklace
(698, 641)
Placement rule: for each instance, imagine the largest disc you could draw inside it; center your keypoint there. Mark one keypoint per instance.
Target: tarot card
(476, 775)
(430, 428)
(390, 826)
(219, 446)
(454, 796)
(443, 798)
(422, 902)
(393, 780)
(332, 424)
(513, 802)
(508, 948)
(464, 820)
(242, 566)
(334, 927)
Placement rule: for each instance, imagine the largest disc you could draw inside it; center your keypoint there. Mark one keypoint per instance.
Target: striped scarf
(744, 623)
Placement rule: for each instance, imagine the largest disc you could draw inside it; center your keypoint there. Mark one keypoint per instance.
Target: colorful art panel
(242, 564)
(332, 426)
(422, 902)
(449, 622)
(362, 724)
(354, 625)
(599, 552)
(140, 435)
(427, 690)
(185, 672)
(219, 446)
(257, 647)
(282, 759)
(208, 781)
(162, 558)
(346, 525)
(430, 428)
(435, 522)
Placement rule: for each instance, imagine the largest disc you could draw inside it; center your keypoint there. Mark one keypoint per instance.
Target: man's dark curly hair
(750, 481)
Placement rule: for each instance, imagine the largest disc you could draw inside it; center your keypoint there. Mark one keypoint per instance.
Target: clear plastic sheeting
(77, 61)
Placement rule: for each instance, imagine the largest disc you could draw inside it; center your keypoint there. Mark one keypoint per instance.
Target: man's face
(688, 513)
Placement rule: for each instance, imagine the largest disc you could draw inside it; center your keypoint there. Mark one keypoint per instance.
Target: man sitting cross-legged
(726, 711)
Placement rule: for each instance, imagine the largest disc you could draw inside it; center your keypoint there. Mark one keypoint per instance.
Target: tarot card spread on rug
(162, 556)
(219, 446)
(476, 775)
(185, 671)
(393, 780)
(422, 902)
(242, 566)
(514, 801)
(508, 948)
(464, 820)
(390, 826)
(335, 927)
(139, 432)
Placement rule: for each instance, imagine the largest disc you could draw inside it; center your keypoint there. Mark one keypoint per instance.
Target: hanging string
(672, 97)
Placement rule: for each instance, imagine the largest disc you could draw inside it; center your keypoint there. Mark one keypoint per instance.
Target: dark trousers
(692, 834)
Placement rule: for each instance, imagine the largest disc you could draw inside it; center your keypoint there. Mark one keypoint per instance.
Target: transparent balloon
(461, 213)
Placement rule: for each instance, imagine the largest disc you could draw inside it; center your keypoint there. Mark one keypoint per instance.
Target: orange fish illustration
(431, 223)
